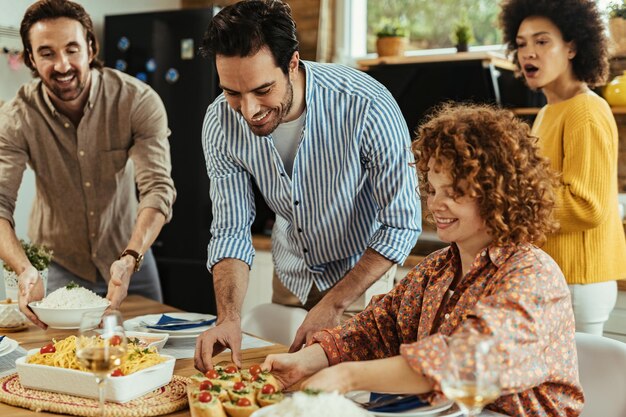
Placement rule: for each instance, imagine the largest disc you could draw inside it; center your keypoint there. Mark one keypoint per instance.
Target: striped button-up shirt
(352, 185)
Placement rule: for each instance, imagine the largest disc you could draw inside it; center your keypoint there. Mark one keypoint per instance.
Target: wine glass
(472, 373)
(101, 346)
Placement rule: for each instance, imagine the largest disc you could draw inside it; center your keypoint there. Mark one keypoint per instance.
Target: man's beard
(284, 109)
(65, 93)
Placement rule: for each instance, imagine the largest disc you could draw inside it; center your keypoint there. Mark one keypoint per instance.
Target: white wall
(11, 15)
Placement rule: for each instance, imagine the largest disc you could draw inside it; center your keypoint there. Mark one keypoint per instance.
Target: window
(430, 23)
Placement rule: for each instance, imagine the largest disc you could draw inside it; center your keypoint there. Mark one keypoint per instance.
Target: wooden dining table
(133, 306)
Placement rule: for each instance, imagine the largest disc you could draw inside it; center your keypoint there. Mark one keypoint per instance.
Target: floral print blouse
(515, 292)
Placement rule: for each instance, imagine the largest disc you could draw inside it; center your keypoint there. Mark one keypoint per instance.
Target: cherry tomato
(206, 385)
(212, 374)
(255, 369)
(239, 386)
(117, 372)
(205, 397)
(231, 369)
(49, 348)
(268, 389)
(115, 340)
(243, 402)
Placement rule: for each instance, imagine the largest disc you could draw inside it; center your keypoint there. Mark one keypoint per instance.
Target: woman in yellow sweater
(560, 48)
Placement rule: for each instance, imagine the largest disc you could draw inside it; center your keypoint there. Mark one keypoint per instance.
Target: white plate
(364, 396)
(7, 346)
(135, 324)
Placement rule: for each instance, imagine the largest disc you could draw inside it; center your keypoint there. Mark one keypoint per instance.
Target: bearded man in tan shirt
(89, 134)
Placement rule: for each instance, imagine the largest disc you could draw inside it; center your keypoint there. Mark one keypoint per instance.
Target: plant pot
(615, 91)
(10, 283)
(391, 45)
(462, 47)
(617, 29)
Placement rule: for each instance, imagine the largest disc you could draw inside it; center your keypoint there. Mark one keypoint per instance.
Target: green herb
(462, 33)
(392, 28)
(71, 285)
(39, 256)
(617, 9)
(309, 391)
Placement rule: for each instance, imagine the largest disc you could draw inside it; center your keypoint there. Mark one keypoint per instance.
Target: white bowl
(10, 315)
(119, 389)
(63, 318)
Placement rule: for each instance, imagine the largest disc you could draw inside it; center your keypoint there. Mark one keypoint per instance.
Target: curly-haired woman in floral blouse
(490, 195)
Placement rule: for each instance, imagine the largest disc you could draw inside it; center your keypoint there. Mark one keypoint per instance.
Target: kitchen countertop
(497, 59)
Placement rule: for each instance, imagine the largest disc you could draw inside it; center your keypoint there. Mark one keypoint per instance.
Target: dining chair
(273, 322)
(602, 372)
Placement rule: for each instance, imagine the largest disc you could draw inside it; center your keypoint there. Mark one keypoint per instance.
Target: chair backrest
(273, 322)
(602, 371)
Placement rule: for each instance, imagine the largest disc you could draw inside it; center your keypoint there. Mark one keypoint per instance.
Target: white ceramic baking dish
(119, 389)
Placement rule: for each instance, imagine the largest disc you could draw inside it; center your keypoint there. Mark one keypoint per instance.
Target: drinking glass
(101, 346)
(472, 373)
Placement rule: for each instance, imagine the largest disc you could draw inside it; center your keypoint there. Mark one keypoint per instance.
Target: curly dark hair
(55, 9)
(578, 20)
(491, 156)
(243, 28)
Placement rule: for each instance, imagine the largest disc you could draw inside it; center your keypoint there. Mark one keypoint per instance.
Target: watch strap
(137, 255)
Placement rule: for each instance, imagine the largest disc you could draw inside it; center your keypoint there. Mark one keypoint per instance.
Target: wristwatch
(137, 255)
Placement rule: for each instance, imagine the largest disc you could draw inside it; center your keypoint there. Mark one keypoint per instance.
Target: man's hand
(121, 271)
(335, 378)
(322, 316)
(289, 368)
(30, 286)
(226, 334)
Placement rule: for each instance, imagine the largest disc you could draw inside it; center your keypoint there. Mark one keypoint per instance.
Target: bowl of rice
(303, 404)
(63, 308)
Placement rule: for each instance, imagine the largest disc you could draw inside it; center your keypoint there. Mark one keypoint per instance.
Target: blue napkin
(407, 403)
(1, 337)
(171, 323)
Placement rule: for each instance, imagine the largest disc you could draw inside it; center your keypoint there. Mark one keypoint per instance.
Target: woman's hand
(335, 378)
(289, 368)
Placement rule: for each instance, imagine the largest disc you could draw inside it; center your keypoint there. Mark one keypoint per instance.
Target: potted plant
(391, 38)
(462, 35)
(39, 256)
(617, 27)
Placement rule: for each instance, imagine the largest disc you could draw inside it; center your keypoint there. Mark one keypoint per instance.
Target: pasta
(64, 356)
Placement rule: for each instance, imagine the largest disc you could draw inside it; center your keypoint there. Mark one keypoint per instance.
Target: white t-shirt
(287, 138)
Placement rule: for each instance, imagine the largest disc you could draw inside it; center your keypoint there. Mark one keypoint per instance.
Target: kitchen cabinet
(420, 83)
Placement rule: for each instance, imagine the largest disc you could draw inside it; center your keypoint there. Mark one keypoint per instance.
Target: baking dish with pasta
(143, 370)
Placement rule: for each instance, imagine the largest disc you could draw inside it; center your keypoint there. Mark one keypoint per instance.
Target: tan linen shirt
(86, 202)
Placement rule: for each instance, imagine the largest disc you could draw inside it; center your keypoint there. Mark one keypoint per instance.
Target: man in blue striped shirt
(329, 150)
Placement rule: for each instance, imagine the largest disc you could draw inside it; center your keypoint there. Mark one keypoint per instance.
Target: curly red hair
(496, 159)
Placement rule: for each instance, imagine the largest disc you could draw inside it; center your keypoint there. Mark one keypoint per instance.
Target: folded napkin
(1, 337)
(404, 404)
(171, 323)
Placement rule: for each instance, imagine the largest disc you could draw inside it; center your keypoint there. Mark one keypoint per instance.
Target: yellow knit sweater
(579, 136)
